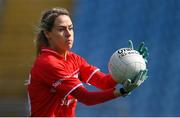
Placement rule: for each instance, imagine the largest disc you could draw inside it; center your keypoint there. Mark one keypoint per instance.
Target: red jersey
(52, 80)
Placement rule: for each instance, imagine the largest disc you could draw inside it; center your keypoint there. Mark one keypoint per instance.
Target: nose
(67, 33)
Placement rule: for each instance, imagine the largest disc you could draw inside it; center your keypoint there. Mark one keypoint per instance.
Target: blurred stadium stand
(101, 27)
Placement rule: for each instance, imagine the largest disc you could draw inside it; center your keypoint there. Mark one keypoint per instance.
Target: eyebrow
(65, 26)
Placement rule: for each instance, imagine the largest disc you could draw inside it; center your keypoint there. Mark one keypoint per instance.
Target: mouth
(69, 42)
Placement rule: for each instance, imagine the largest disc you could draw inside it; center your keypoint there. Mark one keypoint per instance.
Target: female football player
(55, 81)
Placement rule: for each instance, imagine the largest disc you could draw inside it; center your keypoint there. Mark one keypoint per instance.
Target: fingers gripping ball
(125, 64)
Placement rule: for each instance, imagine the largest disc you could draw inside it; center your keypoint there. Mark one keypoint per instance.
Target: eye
(70, 28)
(61, 29)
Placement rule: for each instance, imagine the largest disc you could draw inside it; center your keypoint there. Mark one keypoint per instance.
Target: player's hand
(142, 49)
(130, 85)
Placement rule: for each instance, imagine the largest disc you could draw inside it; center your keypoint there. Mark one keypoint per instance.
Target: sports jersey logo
(57, 83)
(73, 74)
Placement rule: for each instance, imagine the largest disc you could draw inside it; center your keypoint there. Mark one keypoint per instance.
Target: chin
(69, 47)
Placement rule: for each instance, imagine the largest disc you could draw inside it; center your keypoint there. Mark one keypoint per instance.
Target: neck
(65, 55)
(61, 52)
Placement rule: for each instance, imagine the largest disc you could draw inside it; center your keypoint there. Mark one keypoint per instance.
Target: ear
(47, 34)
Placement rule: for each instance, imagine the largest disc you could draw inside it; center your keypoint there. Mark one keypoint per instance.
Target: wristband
(123, 92)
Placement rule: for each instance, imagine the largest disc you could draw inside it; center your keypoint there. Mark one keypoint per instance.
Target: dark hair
(46, 24)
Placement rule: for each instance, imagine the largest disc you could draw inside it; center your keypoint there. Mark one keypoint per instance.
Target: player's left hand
(130, 85)
(142, 49)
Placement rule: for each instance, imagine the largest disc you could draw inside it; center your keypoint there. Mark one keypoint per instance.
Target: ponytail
(41, 41)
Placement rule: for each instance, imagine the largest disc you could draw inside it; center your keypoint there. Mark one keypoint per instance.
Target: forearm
(92, 98)
(102, 81)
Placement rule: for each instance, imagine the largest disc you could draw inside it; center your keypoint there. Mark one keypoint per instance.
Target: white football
(125, 63)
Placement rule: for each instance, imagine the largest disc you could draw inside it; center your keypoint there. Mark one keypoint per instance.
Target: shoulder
(74, 55)
(77, 58)
(48, 62)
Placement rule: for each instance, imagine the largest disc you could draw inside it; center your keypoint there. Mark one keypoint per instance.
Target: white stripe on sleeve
(73, 89)
(91, 75)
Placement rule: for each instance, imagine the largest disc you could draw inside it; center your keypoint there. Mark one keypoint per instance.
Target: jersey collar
(51, 51)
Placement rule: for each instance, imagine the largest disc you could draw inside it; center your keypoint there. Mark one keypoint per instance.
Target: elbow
(87, 103)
